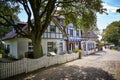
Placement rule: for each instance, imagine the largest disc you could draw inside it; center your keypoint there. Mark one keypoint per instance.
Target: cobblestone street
(104, 65)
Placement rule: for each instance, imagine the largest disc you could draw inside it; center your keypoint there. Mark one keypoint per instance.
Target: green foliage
(74, 51)
(78, 51)
(4, 30)
(114, 48)
(118, 10)
(55, 50)
(11, 57)
(0, 55)
(20, 56)
(8, 10)
(2, 50)
(81, 14)
(112, 33)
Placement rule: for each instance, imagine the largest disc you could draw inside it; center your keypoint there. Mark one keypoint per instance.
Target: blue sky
(102, 19)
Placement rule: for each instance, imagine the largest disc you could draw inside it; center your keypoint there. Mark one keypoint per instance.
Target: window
(50, 46)
(77, 33)
(84, 47)
(77, 43)
(61, 46)
(52, 28)
(71, 33)
(7, 48)
(30, 47)
(70, 46)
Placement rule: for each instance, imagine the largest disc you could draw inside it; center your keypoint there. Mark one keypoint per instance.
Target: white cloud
(110, 8)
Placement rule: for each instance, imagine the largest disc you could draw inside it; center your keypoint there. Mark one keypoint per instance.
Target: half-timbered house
(51, 39)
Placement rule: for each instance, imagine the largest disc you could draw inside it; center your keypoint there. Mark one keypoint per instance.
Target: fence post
(0, 70)
(25, 65)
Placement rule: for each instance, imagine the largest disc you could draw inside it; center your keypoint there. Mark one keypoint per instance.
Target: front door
(71, 46)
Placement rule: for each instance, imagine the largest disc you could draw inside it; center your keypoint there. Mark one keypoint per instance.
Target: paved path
(104, 65)
(105, 55)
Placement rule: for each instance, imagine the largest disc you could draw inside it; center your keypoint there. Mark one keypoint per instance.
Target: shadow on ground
(67, 73)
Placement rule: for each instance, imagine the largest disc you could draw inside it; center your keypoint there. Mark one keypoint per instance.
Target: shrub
(75, 51)
(2, 50)
(79, 51)
(55, 50)
(0, 55)
(11, 57)
(21, 56)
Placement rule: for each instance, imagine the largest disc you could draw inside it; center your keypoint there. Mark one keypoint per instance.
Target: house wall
(22, 46)
(57, 34)
(71, 27)
(74, 40)
(88, 47)
(45, 46)
(13, 47)
(18, 46)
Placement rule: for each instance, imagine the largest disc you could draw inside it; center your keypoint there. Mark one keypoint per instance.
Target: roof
(13, 34)
(89, 34)
(10, 35)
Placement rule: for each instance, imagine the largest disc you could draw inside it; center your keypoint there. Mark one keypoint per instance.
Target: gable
(89, 34)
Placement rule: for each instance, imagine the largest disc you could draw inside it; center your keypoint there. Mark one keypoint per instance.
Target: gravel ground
(93, 67)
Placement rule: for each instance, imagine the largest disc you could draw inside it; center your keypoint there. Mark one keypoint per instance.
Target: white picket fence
(27, 65)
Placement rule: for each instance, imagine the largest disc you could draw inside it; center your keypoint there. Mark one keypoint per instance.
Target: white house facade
(88, 42)
(55, 36)
(74, 40)
(52, 38)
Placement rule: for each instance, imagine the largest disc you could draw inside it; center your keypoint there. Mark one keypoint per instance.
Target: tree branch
(65, 1)
(28, 11)
(51, 6)
(21, 30)
(8, 21)
(4, 24)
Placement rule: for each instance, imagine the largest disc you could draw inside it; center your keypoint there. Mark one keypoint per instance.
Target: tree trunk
(37, 47)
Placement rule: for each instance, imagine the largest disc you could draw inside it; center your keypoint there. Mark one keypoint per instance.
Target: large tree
(112, 33)
(79, 12)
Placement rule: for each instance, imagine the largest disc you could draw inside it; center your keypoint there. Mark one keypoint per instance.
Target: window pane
(61, 46)
(50, 46)
(30, 47)
(52, 28)
(77, 33)
(71, 33)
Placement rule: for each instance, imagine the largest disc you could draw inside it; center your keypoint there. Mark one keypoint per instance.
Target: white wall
(44, 44)
(52, 34)
(87, 50)
(22, 45)
(13, 47)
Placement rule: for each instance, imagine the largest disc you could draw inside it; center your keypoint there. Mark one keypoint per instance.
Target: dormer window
(77, 33)
(52, 28)
(71, 33)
